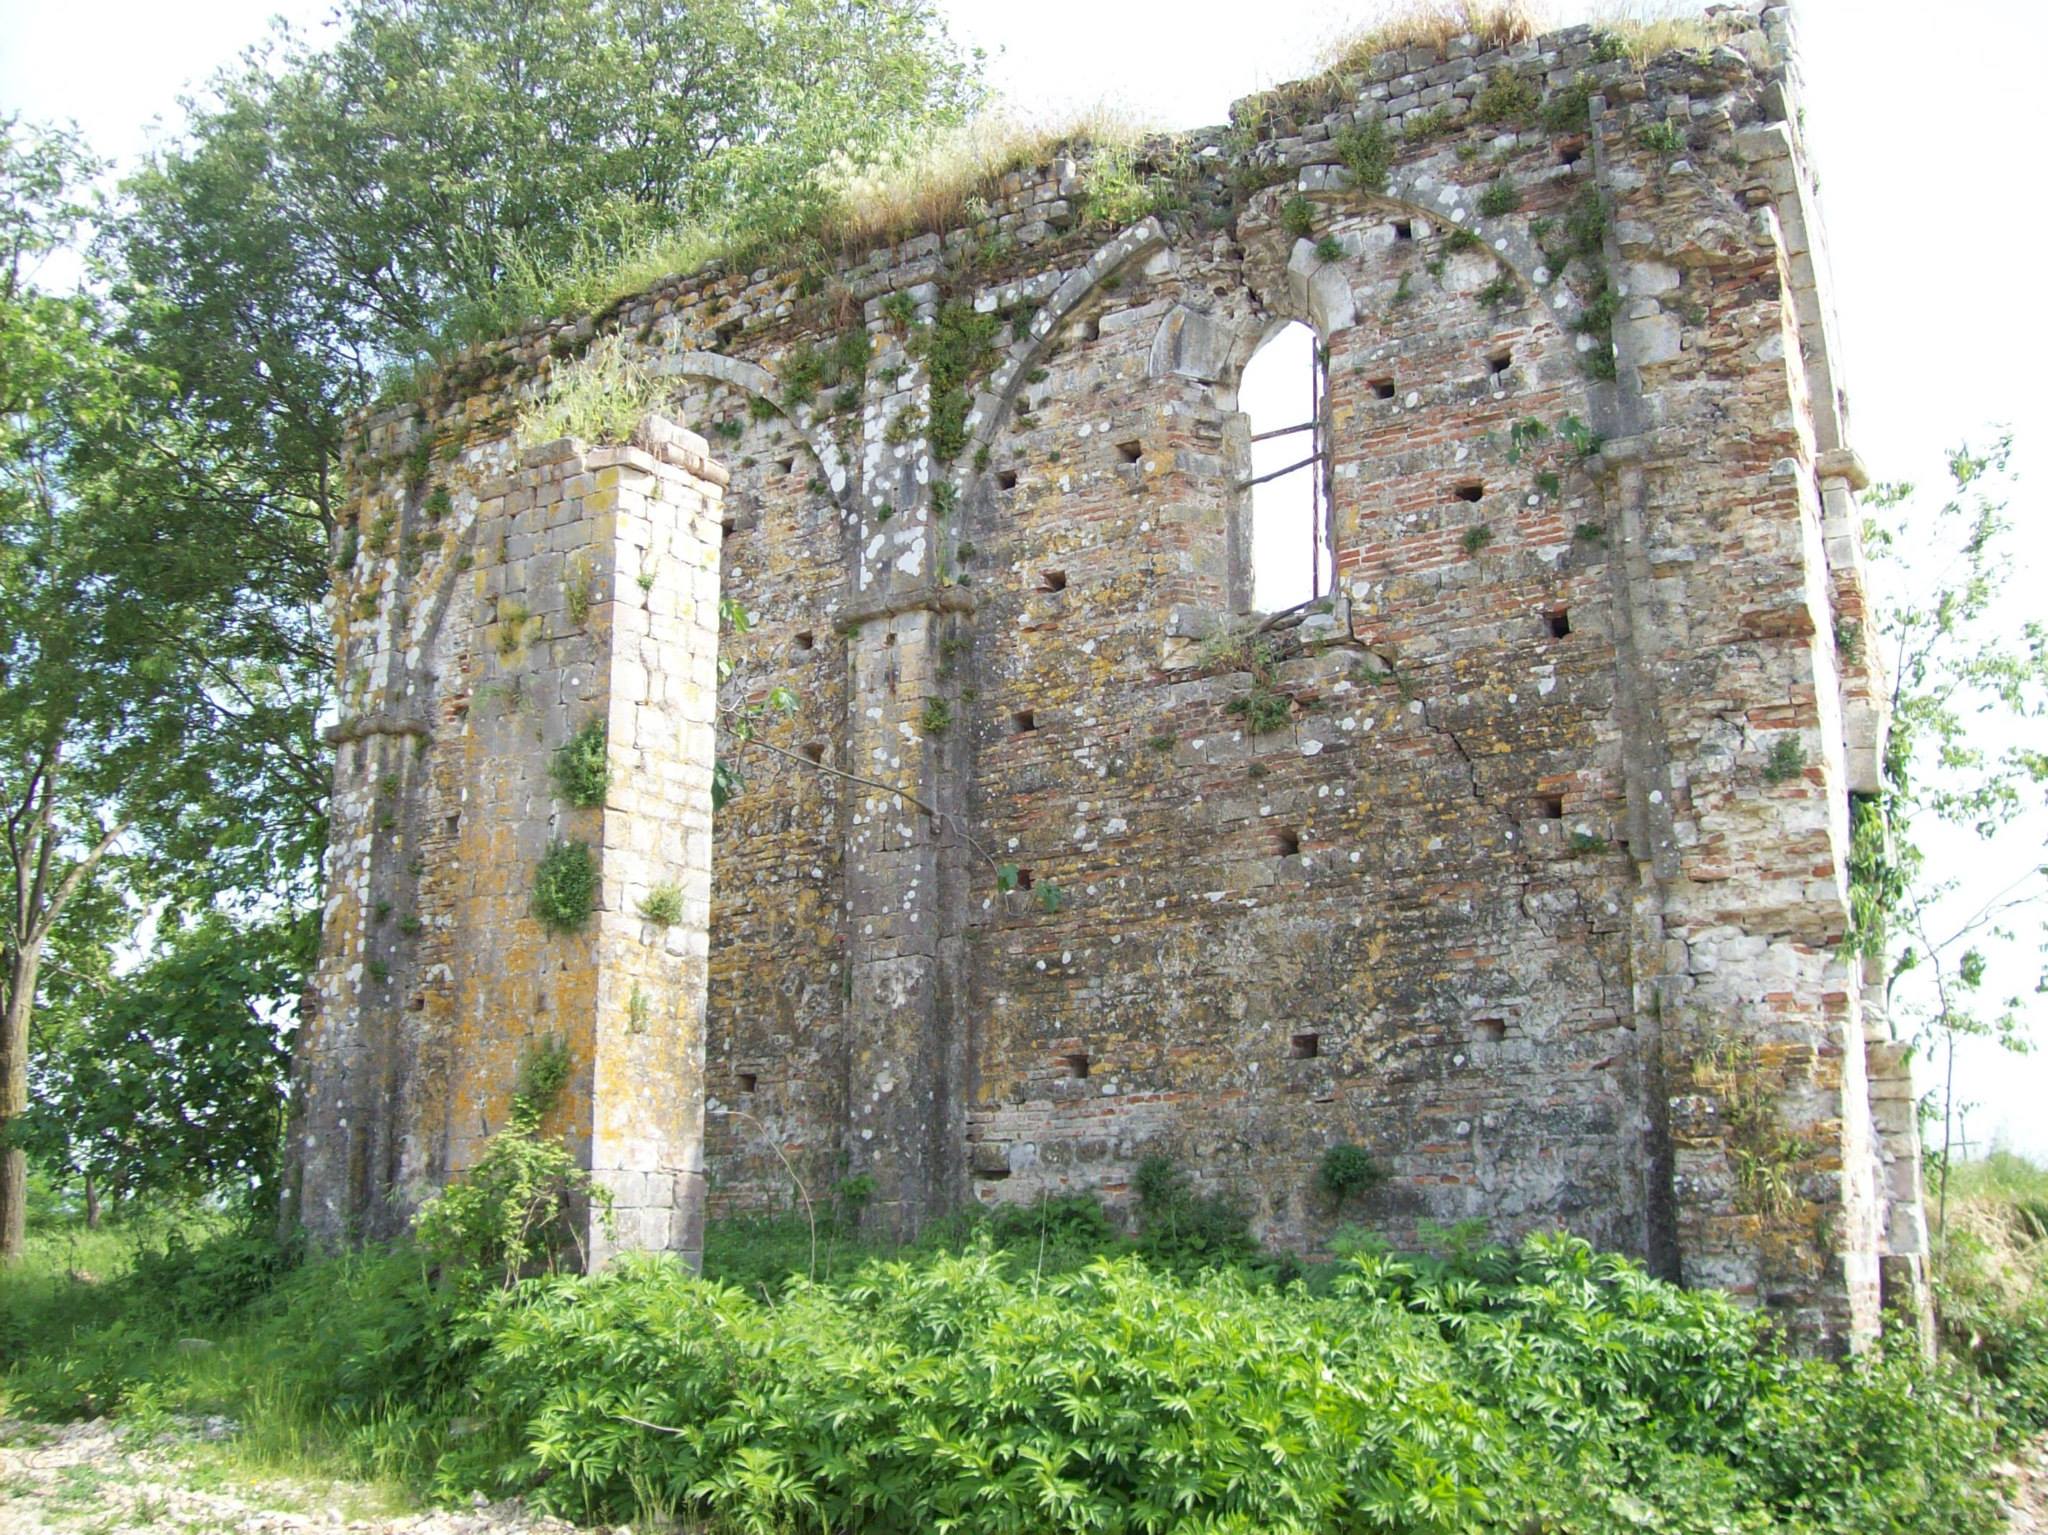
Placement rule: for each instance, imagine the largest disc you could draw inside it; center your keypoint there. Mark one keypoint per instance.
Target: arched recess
(1294, 279)
(992, 404)
(757, 380)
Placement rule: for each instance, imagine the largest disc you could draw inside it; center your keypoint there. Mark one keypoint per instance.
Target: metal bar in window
(1261, 479)
(1285, 431)
(1315, 491)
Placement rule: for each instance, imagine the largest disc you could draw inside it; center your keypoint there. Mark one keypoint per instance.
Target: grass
(846, 212)
(955, 180)
(933, 190)
(1641, 29)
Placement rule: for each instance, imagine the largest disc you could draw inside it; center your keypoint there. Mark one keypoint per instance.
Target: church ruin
(1518, 855)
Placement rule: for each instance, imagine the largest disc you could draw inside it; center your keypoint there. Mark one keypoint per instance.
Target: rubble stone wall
(1534, 885)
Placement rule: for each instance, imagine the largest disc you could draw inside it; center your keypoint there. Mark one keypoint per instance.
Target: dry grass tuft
(1431, 24)
(934, 189)
(1644, 28)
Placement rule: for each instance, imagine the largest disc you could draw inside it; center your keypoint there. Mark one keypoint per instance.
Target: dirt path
(92, 1479)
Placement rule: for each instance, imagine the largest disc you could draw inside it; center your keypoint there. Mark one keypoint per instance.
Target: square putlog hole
(1006, 479)
(1559, 622)
(748, 1081)
(1075, 1066)
(1491, 1030)
(1052, 580)
(1404, 229)
(806, 640)
(1023, 720)
(1550, 807)
(1304, 1047)
(1469, 490)
(1287, 842)
(1130, 452)
(1382, 389)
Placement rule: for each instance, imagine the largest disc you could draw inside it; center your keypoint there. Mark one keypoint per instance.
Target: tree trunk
(92, 1202)
(21, 990)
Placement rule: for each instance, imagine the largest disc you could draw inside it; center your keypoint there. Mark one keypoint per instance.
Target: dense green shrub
(580, 768)
(195, 1284)
(564, 887)
(1348, 1170)
(1024, 1385)
(1547, 1389)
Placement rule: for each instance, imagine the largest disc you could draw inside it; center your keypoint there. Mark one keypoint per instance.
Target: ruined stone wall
(1536, 886)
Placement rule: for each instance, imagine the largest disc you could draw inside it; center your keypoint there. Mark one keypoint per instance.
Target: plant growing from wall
(1764, 1157)
(1506, 101)
(579, 590)
(955, 349)
(1502, 196)
(1263, 707)
(1298, 216)
(512, 1215)
(565, 887)
(512, 617)
(1348, 1171)
(1664, 138)
(1500, 292)
(664, 904)
(1570, 108)
(602, 397)
(1786, 762)
(581, 766)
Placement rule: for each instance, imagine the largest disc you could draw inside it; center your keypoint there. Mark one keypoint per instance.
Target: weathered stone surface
(1539, 881)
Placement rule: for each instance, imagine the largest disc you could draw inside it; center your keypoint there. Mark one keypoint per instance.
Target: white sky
(1924, 127)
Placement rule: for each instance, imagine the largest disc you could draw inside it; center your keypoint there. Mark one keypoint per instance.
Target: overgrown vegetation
(600, 397)
(955, 349)
(1035, 1367)
(1263, 707)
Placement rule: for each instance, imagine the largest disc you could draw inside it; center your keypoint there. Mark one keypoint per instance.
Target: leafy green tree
(173, 1083)
(1966, 758)
(153, 744)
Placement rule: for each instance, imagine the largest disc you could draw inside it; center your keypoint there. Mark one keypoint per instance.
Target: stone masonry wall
(1535, 888)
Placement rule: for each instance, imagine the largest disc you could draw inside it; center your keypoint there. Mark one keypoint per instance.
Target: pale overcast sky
(1923, 122)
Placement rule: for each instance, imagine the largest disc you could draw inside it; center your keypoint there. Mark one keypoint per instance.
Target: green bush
(1546, 1389)
(565, 887)
(664, 904)
(1347, 1170)
(1367, 154)
(580, 767)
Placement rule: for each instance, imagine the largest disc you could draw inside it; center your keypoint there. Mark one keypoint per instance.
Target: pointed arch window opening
(1316, 465)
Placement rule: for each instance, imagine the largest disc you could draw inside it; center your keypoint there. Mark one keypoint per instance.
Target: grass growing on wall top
(600, 397)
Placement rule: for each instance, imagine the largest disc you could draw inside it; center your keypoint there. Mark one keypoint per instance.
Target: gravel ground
(92, 1479)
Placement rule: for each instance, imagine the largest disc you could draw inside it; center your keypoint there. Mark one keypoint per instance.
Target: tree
(173, 1082)
(1965, 756)
(148, 731)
